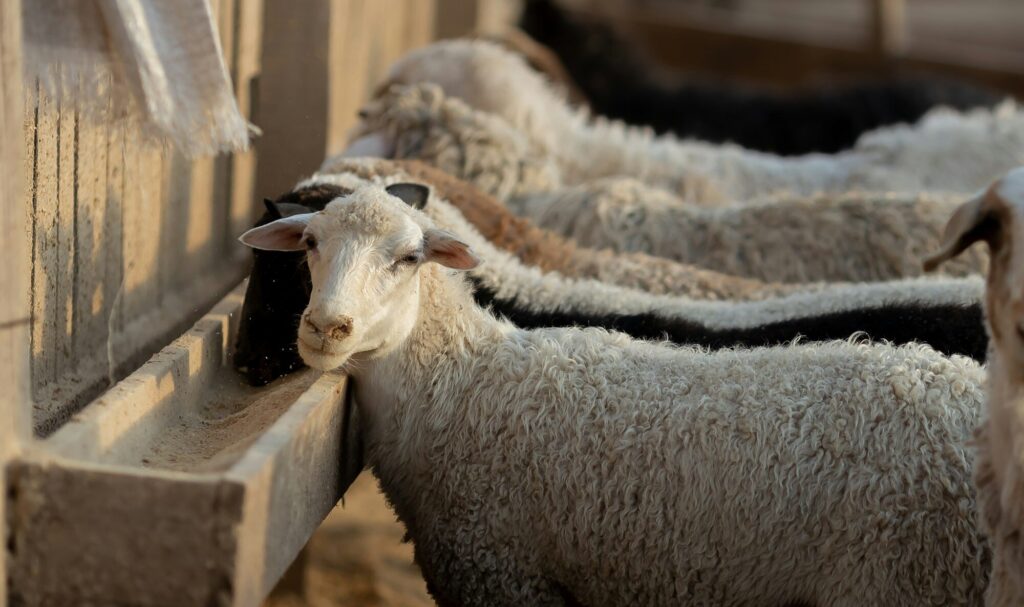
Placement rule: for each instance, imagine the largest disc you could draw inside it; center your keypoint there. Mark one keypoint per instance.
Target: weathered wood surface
(130, 241)
(720, 43)
(317, 69)
(185, 529)
(16, 147)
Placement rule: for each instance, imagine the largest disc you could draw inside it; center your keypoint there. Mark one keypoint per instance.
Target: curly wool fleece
(557, 466)
(946, 150)
(855, 236)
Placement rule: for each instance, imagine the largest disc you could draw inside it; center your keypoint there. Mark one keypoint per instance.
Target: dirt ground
(356, 558)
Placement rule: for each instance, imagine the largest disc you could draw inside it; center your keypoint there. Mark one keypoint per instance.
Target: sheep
(620, 83)
(551, 253)
(578, 466)
(995, 216)
(849, 237)
(541, 59)
(946, 150)
(421, 122)
(943, 313)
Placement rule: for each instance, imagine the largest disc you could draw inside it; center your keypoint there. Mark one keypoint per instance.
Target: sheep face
(364, 253)
(996, 216)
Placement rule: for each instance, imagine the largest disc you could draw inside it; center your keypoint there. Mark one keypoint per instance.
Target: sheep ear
(446, 249)
(275, 213)
(971, 222)
(281, 235)
(412, 194)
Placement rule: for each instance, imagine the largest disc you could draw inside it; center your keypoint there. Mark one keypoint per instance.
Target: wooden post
(292, 98)
(15, 403)
(888, 27)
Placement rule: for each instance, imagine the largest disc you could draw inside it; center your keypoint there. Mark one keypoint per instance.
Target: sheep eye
(411, 258)
(310, 243)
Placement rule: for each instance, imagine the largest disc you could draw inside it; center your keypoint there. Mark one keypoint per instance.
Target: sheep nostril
(341, 330)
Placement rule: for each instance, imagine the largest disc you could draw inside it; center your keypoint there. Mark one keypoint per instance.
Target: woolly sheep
(944, 313)
(846, 237)
(945, 151)
(620, 83)
(420, 122)
(996, 215)
(551, 253)
(569, 466)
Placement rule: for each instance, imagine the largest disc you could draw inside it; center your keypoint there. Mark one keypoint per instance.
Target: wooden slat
(67, 190)
(293, 93)
(246, 50)
(113, 237)
(220, 200)
(888, 27)
(348, 55)
(720, 50)
(91, 302)
(45, 261)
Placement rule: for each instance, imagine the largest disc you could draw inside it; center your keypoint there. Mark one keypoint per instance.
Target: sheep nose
(336, 328)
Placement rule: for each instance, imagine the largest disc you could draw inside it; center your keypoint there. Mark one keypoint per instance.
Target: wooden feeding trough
(214, 486)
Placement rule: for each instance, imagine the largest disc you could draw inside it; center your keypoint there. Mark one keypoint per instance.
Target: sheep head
(996, 216)
(364, 253)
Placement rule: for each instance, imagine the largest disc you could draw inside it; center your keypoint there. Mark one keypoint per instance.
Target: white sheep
(854, 236)
(568, 466)
(996, 215)
(946, 150)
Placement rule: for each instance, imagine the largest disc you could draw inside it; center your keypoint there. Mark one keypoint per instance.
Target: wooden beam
(719, 50)
(15, 398)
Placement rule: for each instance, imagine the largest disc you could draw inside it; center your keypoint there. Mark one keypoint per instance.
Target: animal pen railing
(113, 247)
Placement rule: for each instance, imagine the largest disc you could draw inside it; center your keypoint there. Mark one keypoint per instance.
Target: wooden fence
(132, 242)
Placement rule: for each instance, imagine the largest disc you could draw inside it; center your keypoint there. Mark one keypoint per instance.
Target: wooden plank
(307, 453)
(221, 195)
(15, 301)
(420, 25)
(143, 195)
(67, 192)
(888, 27)
(45, 244)
(456, 17)
(348, 66)
(718, 50)
(243, 208)
(91, 303)
(113, 231)
(293, 93)
(160, 543)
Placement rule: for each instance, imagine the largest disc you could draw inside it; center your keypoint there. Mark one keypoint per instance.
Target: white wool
(562, 466)
(945, 151)
(855, 236)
